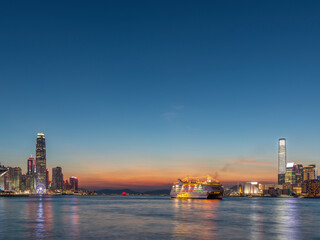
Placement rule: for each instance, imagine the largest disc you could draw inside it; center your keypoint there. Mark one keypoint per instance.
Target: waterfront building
(7, 181)
(30, 183)
(3, 171)
(297, 190)
(27, 183)
(299, 174)
(17, 178)
(47, 179)
(251, 188)
(294, 175)
(41, 162)
(57, 178)
(12, 179)
(263, 187)
(31, 166)
(290, 176)
(282, 160)
(74, 184)
(311, 187)
(66, 185)
(309, 172)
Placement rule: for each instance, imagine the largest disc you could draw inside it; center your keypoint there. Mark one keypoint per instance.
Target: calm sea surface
(115, 217)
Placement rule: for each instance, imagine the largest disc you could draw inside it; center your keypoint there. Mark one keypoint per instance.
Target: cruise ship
(197, 188)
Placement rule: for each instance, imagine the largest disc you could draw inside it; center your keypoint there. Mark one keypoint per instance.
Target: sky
(139, 93)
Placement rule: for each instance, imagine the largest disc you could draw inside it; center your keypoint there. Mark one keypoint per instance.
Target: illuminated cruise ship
(198, 188)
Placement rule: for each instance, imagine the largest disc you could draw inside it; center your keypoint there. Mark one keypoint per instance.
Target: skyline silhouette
(145, 92)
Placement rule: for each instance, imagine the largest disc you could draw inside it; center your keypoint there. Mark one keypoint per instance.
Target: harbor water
(146, 217)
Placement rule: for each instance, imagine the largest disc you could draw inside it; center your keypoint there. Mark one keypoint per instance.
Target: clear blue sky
(159, 84)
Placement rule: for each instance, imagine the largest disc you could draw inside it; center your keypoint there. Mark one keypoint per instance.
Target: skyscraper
(17, 178)
(309, 172)
(74, 184)
(290, 176)
(57, 178)
(47, 179)
(31, 166)
(282, 160)
(41, 162)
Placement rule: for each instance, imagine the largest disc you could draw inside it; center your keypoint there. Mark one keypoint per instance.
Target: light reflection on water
(114, 217)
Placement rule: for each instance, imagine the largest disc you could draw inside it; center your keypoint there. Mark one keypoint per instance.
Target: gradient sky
(139, 93)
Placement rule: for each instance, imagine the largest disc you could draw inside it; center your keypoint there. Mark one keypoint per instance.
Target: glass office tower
(282, 160)
(41, 163)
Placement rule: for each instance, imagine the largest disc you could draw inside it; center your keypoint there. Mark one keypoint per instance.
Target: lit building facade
(250, 188)
(290, 176)
(31, 166)
(299, 174)
(17, 174)
(47, 179)
(309, 172)
(74, 184)
(282, 160)
(27, 183)
(30, 180)
(57, 178)
(311, 188)
(41, 161)
(12, 179)
(294, 174)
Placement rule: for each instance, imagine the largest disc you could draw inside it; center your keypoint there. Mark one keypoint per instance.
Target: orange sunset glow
(142, 176)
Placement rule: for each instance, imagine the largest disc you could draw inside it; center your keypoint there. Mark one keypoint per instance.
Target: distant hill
(116, 191)
(158, 192)
(119, 191)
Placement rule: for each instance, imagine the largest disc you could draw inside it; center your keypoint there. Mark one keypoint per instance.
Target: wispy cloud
(173, 113)
(178, 107)
(246, 161)
(169, 115)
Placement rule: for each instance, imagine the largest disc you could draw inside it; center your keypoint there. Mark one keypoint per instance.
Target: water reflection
(39, 229)
(255, 219)
(158, 218)
(39, 217)
(287, 217)
(195, 219)
(74, 218)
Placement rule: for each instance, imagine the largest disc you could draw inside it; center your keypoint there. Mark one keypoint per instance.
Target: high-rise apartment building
(41, 162)
(57, 178)
(282, 160)
(12, 179)
(27, 183)
(17, 178)
(9, 179)
(74, 184)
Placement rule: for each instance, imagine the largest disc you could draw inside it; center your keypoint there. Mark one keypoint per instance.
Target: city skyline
(143, 93)
(121, 181)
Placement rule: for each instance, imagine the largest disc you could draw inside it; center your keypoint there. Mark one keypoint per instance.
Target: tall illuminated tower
(41, 163)
(282, 160)
(31, 166)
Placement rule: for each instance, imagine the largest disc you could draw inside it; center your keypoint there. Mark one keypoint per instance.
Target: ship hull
(197, 196)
